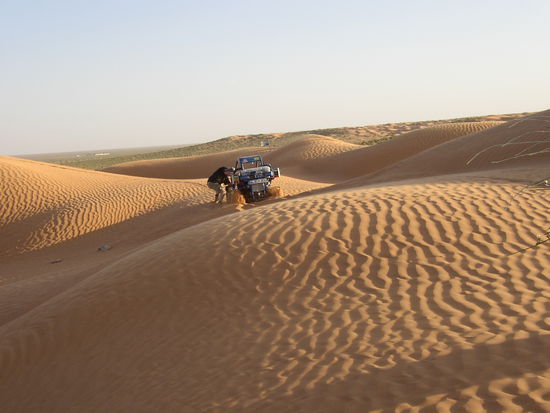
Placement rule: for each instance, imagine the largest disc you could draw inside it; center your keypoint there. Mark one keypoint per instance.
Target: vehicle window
(248, 165)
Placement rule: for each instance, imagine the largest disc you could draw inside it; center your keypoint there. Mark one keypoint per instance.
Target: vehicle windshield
(248, 165)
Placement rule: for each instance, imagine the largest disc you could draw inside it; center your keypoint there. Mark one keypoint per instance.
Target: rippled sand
(406, 286)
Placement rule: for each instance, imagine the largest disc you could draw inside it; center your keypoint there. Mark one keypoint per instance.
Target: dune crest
(314, 157)
(364, 160)
(309, 147)
(412, 284)
(45, 204)
(509, 145)
(193, 167)
(359, 295)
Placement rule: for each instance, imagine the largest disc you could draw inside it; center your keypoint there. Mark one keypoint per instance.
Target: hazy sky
(111, 73)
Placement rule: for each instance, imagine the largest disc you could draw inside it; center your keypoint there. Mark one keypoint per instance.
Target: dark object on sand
(252, 178)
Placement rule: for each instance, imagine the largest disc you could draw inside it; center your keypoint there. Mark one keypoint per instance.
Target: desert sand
(398, 277)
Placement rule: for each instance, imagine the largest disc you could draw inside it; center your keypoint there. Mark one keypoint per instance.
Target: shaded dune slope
(521, 142)
(193, 167)
(409, 296)
(313, 157)
(306, 148)
(355, 161)
(386, 298)
(45, 204)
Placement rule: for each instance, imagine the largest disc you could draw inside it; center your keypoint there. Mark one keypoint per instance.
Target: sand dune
(302, 306)
(304, 149)
(398, 296)
(314, 157)
(45, 204)
(364, 160)
(307, 148)
(200, 166)
(512, 144)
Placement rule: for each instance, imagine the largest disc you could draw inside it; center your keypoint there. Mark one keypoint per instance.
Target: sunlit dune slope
(383, 294)
(192, 167)
(313, 157)
(520, 142)
(304, 149)
(384, 298)
(307, 148)
(363, 160)
(45, 204)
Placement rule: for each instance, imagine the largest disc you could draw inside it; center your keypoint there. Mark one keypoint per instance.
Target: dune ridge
(362, 161)
(198, 166)
(512, 144)
(309, 147)
(45, 204)
(413, 286)
(308, 156)
(328, 288)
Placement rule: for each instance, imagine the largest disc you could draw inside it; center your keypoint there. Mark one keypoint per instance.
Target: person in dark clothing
(216, 180)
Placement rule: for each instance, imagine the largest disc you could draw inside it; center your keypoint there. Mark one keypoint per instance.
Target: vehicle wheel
(248, 196)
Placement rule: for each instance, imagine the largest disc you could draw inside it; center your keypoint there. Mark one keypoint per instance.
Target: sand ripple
(385, 298)
(341, 162)
(381, 294)
(44, 204)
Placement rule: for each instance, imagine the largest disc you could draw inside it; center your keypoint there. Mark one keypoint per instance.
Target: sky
(77, 75)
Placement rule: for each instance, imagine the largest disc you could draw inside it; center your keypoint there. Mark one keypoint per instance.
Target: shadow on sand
(448, 376)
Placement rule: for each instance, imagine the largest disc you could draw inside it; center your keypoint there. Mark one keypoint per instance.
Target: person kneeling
(216, 180)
